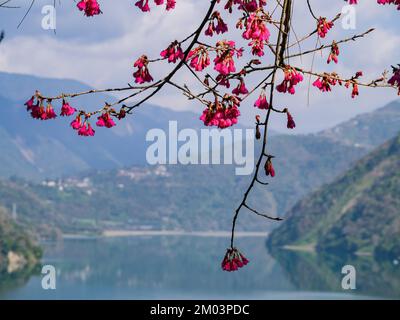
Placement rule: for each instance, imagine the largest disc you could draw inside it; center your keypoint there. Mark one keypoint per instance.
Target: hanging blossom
(241, 88)
(353, 83)
(325, 82)
(244, 5)
(173, 52)
(66, 109)
(269, 168)
(395, 2)
(333, 56)
(39, 111)
(323, 26)
(216, 25)
(256, 31)
(105, 120)
(250, 5)
(290, 121)
(145, 7)
(395, 79)
(90, 7)
(142, 74)
(224, 62)
(86, 130)
(199, 58)
(222, 114)
(292, 78)
(223, 81)
(261, 102)
(233, 260)
(35, 105)
(83, 127)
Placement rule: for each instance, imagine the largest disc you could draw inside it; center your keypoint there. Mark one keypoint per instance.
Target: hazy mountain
(359, 211)
(33, 149)
(368, 130)
(51, 148)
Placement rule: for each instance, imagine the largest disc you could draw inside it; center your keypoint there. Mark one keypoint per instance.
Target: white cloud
(101, 53)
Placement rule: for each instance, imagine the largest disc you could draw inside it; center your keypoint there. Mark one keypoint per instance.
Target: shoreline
(301, 248)
(216, 234)
(166, 233)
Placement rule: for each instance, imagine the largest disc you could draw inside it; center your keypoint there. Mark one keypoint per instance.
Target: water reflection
(310, 271)
(184, 267)
(10, 281)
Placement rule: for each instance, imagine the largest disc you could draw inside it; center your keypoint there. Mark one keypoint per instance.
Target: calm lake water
(187, 267)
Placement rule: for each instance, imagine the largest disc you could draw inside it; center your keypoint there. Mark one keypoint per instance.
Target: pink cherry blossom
(67, 110)
(224, 62)
(240, 89)
(199, 58)
(90, 7)
(142, 74)
(261, 102)
(292, 78)
(233, 260)
(323, 26)
(105, 120)
(173, 53)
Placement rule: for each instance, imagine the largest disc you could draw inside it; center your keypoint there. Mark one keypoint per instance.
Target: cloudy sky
(100, 51)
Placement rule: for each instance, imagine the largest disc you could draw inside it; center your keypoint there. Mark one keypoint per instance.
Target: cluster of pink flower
(395, 2)
(233, 260)
(328, 80)
(241, 88)
(105, 120)
(395, 79)
(222, 118)
(144, 4)
(333, 56)
(269, 168)
(323, 26)
(81, 123)
(292, 78)
(224, 62)
(220, 27)
(353, 83)
(256, 31)
(173, 52)
(40, 112)
(90, 7)
(83, 127)
(250, 5)
(199, 58)
(66, 109)
(261, 102)
(325, 82)
(222, 115)
(142, 74)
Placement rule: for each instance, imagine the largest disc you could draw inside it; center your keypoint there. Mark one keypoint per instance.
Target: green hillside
(18, 252)
(360, 211)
